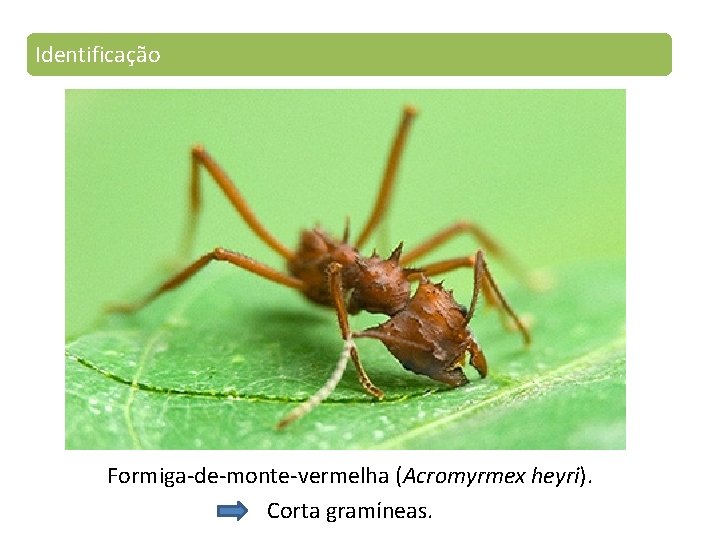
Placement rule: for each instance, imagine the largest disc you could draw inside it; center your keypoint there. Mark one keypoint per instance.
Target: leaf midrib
(139, 386)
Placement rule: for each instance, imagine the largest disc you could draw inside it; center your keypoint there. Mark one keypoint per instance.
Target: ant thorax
(381, 285)
(374, 284)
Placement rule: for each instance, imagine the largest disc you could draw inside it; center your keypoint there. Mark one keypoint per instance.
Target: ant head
(430, 336)
(381, 285)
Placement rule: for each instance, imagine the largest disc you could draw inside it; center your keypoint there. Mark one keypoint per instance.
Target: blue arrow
(231, 510)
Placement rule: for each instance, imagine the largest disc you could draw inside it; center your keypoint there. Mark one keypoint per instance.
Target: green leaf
(217, 363)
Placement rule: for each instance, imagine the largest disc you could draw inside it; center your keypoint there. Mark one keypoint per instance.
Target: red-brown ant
(426, 331)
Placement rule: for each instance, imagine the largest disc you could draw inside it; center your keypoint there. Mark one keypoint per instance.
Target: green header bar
(349, 54)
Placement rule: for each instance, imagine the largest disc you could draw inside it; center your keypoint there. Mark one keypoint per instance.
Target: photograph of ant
(427, 330)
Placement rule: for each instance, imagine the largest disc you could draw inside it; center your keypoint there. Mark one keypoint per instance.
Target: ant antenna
(315, 400)
(478, 271)
(482, 271)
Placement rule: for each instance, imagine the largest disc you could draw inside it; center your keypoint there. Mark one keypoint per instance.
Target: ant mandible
(426, 331)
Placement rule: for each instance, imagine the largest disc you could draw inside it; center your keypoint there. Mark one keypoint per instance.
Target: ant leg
(491, 246)
(218, 254)
(483, 282)
(440, 267)
(200, 158)
(334, 271)
(319, 396)
(391, 168)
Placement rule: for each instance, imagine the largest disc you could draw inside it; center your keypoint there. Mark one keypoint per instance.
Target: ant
(426, 331)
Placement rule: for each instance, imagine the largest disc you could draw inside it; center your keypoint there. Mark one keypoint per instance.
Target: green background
(544, 171)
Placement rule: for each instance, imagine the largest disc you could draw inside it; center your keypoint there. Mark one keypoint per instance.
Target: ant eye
(463, 310)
